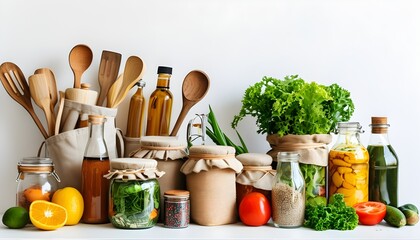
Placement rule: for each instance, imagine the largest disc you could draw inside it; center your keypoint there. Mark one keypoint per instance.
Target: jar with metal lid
(134, 195)
(36, 179)
(288, 193)
(348, 165)
(176, 209)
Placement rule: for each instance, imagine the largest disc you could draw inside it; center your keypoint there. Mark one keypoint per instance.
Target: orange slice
(47, 215)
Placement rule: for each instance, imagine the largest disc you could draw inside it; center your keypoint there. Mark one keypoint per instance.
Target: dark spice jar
(176, 209)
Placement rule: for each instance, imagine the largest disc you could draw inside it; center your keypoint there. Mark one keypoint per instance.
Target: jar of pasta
(349, 165)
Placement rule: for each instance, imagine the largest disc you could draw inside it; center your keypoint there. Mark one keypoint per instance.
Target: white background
(370, 47)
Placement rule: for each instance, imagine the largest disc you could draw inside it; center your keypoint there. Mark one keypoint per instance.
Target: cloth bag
(170, 155)
(67, 148)
(211, 173)
(313, 150)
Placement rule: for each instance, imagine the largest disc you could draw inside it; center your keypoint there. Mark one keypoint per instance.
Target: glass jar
(348, 163)
(134, 195)
(36, 179)
(176, 209)
(288, 193)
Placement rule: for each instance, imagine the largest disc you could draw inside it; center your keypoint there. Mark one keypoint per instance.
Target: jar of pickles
(36, 179)
(349, 165)
(134, 195)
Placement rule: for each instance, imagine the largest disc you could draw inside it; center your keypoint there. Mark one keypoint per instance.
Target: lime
(16, 217)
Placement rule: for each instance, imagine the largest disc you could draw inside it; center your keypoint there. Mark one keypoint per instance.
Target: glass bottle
(95, 165)
(36, 179)
(135, 112)
(160, 105)
(288, 193)
(348, 163)
(383, 165)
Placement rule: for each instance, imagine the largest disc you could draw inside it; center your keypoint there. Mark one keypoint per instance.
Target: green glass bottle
(383, 165)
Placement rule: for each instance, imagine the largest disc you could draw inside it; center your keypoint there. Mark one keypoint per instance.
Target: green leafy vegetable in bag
(293, 106)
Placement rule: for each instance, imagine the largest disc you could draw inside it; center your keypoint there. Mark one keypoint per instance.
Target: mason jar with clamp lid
(37, 180)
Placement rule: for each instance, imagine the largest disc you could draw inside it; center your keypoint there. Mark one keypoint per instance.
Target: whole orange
(72, 200)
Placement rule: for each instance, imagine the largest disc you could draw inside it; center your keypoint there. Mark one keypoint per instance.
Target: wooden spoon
(59, 113)
(133, 71)
(16, 86)
(108, 72)
(52, 85)
(80, 58)
(194, 88)
(38, 85)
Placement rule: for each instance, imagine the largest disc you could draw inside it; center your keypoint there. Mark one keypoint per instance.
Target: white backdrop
(370, 47)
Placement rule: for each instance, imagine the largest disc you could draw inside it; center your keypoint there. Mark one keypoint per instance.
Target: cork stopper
(96, 119)
(379, 125)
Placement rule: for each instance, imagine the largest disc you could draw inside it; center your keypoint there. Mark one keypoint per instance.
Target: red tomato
(370, 213)
(254, 209)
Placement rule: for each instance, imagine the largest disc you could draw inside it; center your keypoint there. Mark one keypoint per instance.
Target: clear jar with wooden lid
(256, 176)
(176, 209)
(36, 179)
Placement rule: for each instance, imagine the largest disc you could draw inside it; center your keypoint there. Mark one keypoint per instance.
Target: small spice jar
(134, 195)
(256, 176)
(288, 193)
(36, 179)
(176, 209)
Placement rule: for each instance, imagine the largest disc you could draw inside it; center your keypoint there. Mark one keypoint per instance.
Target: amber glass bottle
(160, 105)
(135, 112)
(95, 165)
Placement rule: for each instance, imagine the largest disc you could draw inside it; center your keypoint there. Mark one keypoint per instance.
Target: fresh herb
(218, 137)
(135, 204)
(336, 215)
(293, 106)
(315, 184)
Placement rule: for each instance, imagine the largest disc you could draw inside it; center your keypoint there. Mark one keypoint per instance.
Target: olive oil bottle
(383, 165)
(160, 105)
(135, 112)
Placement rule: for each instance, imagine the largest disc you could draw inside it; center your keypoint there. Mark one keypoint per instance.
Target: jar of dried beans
(349, 165)
(288, 193)
(36, 179)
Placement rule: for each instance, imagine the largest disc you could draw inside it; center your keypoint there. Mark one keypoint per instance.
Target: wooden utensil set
(42, 88)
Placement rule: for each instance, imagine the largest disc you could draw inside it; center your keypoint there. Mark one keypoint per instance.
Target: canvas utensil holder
(256, 176)
(170, 155)
(211, 173)
(67, 148)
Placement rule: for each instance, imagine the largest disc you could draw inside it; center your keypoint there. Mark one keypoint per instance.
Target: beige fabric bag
(67, 148)
(211, 173)
(170, 154)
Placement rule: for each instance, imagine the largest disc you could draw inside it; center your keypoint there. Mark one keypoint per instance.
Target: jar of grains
(134, 193)
(288, 193)
(176, 209)
(36, 179)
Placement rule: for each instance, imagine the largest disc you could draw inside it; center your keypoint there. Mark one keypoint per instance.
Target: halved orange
(47, 215)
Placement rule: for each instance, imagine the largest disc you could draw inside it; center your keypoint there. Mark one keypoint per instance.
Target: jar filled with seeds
(288, 193)
(176, 209)
(37, 180)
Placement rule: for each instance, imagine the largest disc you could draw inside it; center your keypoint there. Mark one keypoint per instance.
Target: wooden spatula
(108, 72)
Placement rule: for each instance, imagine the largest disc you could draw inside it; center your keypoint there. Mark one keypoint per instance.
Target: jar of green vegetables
(134, 195)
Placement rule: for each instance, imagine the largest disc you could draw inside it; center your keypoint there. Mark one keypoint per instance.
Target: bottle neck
(348, 137)
(163, 80)
(96, 131)
(379, 136)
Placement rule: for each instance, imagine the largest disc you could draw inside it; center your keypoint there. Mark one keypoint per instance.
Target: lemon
(71, 199)
(16, 217)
